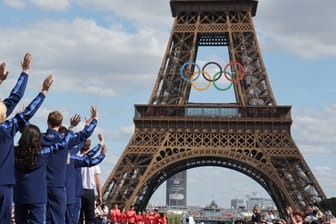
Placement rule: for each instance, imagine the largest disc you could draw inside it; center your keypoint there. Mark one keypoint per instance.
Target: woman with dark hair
(30, 191)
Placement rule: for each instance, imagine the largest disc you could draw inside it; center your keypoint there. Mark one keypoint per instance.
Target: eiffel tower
(251, 136)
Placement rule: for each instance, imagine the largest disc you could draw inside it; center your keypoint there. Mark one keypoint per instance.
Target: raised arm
(3, 72)
(94, 115)
(95, 149)
(88, 129)
(74, 121)
(23, 117)
(87, 161)
(18, 91)
(26, 63)
(48, 81)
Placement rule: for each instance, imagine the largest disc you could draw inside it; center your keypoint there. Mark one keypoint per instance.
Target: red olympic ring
(241, 68)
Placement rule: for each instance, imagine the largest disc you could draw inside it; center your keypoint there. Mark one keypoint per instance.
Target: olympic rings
(227, 75)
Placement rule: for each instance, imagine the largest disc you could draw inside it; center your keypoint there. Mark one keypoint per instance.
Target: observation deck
(216, 116)
(178, 6)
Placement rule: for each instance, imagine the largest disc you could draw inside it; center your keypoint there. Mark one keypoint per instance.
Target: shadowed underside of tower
(251, 136)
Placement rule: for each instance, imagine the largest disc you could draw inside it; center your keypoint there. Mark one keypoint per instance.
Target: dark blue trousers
(6, 201)
(30, 213)
(56, 206)
(70, 214)
(77, 208)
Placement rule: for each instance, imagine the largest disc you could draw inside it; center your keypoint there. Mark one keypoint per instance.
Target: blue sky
(107, 53)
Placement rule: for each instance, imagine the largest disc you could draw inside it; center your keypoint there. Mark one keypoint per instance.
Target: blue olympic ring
(228, 76)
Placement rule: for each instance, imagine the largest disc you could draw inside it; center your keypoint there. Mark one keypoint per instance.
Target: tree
(328, 204)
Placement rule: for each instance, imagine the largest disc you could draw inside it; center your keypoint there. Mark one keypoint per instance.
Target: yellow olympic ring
(198, 88)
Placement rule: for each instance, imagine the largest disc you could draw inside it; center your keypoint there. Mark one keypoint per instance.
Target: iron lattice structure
(251, 136)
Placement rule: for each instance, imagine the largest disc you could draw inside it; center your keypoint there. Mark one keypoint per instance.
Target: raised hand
(74, 120)
(3, 72)
(26, 62)
(103, 150)
(94, 115)
(101, 138)
(48, 81)
(94, 112)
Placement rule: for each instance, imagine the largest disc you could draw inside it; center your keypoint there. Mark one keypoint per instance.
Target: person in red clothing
(131, 215)
(139, 218)
(162, 219)
(123, 217)
(147, 217)
(151, 217)
(115, 214)
(156, 217)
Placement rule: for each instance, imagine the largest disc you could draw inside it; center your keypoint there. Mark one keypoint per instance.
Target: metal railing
(212, 111)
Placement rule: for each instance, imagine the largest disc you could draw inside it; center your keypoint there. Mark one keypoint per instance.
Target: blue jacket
(16, 94)
(31, 186)
(74, 177)
(8, 129)
(56, 167)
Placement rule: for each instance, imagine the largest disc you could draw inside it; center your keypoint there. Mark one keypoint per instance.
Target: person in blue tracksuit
(57, 163)
(18, 91)
(76, 162)
(30, 190)
(8, 129)
(79, 187)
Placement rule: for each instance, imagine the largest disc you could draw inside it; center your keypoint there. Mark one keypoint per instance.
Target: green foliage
(328, 204)
(174, 218)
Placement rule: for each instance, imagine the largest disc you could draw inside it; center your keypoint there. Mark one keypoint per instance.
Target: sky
(107, 53)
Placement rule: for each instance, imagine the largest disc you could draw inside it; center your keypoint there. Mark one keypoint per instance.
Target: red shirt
(131, 216)
(156, 218)
(123, 217)
(138, 219)
(151, 218)
(163, 220)
(147, 218)
(115, 215)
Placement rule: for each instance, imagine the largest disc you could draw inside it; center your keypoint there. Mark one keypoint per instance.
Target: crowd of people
(131, 216)
(311, 215)
(48, 177)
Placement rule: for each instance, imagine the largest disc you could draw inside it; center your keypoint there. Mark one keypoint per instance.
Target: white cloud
(313, 130)
(138, 12)
(59, 5)
(326, 177)
(300, 31)
(17, 4)
(84, 56)
(298, 27)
